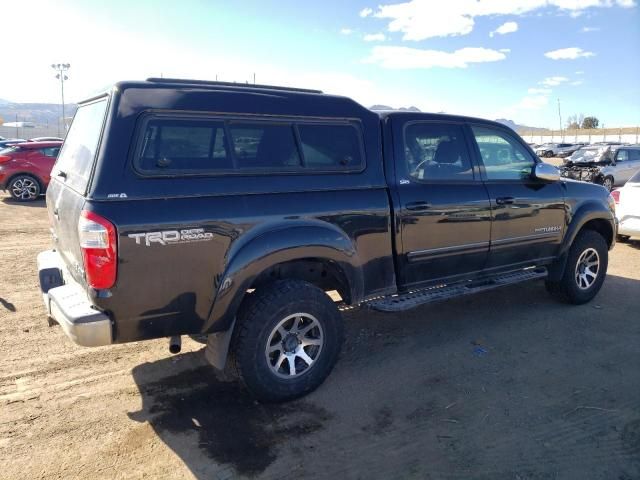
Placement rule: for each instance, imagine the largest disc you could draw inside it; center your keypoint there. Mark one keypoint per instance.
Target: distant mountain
(402, 109)
(39, 113)
(519, 128)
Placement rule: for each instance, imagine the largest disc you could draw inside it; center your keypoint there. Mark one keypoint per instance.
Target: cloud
(533, 102)
(580, 72)
(508, 27)
(422, 19)
(539, 91)
(577, 82)
(505, 50)
(374, 37)
(407, 58)
(365, 12)
(589, 29)
(553, 81)
(568, 54)
(346, 31)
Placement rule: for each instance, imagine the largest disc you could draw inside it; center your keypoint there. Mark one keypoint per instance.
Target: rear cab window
(177, 146)
(78, 152)
(436, 152)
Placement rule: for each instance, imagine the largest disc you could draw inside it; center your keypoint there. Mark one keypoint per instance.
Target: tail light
(4, 158)
(615, 194)
(99, 250)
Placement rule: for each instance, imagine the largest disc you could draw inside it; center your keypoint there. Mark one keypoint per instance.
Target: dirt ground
(506, 385)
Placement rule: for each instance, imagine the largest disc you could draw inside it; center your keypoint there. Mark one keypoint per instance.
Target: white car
(628, 208)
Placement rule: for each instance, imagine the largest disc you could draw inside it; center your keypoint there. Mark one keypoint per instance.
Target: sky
(490, 58)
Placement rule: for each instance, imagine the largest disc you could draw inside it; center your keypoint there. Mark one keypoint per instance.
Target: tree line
(575, 122)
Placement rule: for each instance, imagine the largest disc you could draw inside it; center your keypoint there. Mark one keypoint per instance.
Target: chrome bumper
(69, 305)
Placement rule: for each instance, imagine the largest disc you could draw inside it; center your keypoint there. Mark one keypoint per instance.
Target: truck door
(442, 208)
(528, 215)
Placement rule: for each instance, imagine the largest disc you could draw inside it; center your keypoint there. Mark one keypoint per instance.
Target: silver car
(556, 149)
(626, 162)
(607, 165)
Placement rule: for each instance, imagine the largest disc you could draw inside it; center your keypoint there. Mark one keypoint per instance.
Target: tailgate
(64, 206)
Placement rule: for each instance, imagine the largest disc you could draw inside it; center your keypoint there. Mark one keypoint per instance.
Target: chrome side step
(415, 298)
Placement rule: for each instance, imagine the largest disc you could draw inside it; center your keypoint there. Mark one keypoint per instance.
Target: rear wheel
(24, 188)
(287, 341)
(585, 270)
(548, 154)
(623, 238)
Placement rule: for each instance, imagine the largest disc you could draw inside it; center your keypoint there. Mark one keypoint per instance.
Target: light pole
(61, 68)
(560, 117)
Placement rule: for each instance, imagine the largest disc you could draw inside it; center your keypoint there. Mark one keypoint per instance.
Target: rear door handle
(505, 200)
(418, 206)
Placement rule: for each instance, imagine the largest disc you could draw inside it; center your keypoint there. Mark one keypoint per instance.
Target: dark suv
(228, 211)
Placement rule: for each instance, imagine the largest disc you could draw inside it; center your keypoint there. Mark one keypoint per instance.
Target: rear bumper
(68, 304)
(629, 226)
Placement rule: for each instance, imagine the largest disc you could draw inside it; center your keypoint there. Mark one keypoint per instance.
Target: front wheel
(585, 270)
(608, 182)
(287, 341)
(548, 154)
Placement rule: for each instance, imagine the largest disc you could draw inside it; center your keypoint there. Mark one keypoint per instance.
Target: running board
(415, 298)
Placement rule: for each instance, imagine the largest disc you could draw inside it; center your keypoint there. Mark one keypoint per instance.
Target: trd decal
(171, 237)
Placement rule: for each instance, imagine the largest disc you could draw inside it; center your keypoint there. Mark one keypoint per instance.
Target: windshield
(593, 154)
(8, 150)
(79, 149)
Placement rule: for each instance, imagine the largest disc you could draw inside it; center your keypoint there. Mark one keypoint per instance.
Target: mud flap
(217, 349)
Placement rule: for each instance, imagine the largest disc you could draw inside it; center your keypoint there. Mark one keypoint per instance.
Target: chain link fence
(30, 132)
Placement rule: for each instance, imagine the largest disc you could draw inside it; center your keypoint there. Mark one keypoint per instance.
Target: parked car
(25, 168)
(556, 149)
(610, 166)
(46, 139)
(628, 208)
(207, 208)
(10, 141)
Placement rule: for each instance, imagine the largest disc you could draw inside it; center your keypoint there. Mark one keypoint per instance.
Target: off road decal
(171, 237)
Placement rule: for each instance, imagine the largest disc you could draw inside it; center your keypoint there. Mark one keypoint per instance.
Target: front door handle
(505, 200)
(418, 206)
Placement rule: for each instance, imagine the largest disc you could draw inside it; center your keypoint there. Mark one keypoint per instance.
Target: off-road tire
(567, 289)
(259, 314)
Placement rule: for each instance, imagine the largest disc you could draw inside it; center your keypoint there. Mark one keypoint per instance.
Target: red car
(25, 168)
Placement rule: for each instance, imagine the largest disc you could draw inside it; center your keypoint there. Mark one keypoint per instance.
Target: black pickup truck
(228, 211)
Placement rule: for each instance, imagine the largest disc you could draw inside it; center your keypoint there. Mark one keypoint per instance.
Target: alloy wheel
(24, 189)
(294, 345)
(587, 268)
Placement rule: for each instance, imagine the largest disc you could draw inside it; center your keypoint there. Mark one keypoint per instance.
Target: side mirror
(546, 172)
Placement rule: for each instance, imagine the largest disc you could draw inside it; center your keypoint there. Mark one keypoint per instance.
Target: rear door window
(50, 151)
(437, 152)
(78, 153)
